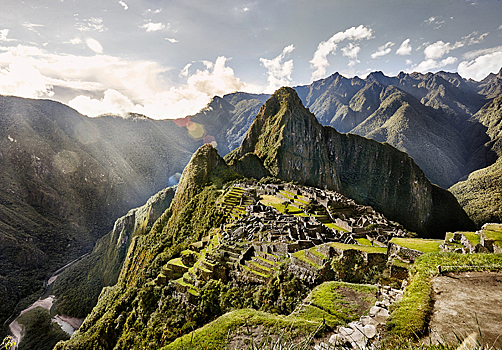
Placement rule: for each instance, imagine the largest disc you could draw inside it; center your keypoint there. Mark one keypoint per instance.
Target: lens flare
(174, 180)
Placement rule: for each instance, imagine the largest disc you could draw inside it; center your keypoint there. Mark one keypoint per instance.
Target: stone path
(360, 334)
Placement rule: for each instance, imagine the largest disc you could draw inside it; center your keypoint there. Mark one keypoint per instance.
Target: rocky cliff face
(293, 146)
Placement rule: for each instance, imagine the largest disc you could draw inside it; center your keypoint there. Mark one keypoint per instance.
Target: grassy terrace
(363, 248)
(494, 231)
(328, 302)
(472, 237)
(301, 256)
(408, 317)
(422, 245)
(335, 227)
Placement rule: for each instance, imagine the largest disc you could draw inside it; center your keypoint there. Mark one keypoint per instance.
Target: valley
(280, 197)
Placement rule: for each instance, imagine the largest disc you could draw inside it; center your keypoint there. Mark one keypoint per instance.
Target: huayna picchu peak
(294, 146)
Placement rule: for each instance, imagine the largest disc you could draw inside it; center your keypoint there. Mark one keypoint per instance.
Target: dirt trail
(465, 303)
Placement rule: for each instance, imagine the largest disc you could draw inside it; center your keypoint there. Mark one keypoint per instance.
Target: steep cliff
(293, 146)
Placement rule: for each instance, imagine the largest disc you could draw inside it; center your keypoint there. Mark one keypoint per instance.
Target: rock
(345, 331)
(379, 314)
(366, 320)
(337, 339)
(369, 331)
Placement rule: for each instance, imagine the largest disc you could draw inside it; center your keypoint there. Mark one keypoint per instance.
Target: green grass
(364, 241)
(216, 334)
(422, 245)
(358, 247)
(409, 315)
(335, 227)
(472, 237)
(494, 231)
(327, 300)
(177, 262)
(301, 256)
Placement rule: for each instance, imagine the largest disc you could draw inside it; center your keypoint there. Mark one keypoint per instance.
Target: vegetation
(40, 332)
(422, 245)
(410, 316)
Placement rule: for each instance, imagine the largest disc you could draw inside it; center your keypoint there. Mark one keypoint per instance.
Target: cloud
(482, 65)
(408, 62)
(94, 45)
(474, 38)
(430, 64)
(279, 72)
(3, 35)
(123, 4)
(20, 78)
(351, 51)
(112, 102)
(74, 41)
(91, 24)
(474, 54)
(320, 62)
(172, 40)
(405, 48)
(434, 21)
(439, 49)
(383, 50)
(200, 87)
(153, 27)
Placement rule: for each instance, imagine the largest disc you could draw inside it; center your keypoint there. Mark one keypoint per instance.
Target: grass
(472, 237)
(494, 231)
(216, 334)
(301, 256)
(335, 227)
(364, 241)
(422, 245)
(177, 262)
(327, 301)
(409, 316)
(358, 247)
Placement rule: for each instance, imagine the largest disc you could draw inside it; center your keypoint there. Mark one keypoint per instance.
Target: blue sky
(166, 59)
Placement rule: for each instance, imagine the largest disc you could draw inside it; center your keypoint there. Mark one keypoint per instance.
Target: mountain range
(65, 177)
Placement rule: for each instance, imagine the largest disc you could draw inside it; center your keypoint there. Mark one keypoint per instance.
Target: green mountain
(64, 178)
(481, 193)
(293, 146)
(207, 255)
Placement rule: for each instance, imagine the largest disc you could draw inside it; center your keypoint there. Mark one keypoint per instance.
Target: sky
(167, 59)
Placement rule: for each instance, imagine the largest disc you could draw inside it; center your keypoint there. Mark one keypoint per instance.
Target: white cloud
(112, 102)
(439, 49)
(91, 24)
(434, 21)
(123, 4)
(3, 35)
(320, 62)
(408, 62)
(405, 48)
(383, 50)
(94, 45)
(279, 72)
(474, 54)
(430, 64)
(74, 41)
(474, 38)
(153, 27)
(172, 40)
(20, 78)
(351, 51)
(200, 87)
(483, 65)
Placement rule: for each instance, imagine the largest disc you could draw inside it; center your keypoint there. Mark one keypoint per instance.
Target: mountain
(481, 193)
(64, 178)
(78, 287)
(189, 267)
(293, 146)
